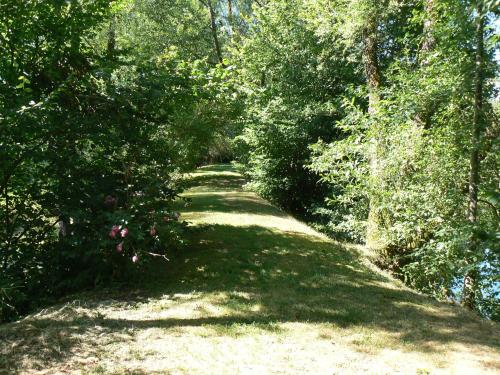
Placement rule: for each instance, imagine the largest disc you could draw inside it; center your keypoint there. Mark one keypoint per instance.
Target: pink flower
(114, 230)
(119, 247)
(135, 259)
(153, 231)
(124, 232)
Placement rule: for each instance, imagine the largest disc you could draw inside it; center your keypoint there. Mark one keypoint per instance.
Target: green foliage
(423, 129)
(104, 105)
(287, 74)
(93, 145)
(303, 59)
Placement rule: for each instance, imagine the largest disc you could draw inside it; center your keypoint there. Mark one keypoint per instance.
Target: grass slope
(257, 293)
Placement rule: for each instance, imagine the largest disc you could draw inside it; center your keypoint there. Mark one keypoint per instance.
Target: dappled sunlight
(256, 292)
(248, 220)
(231, 202)
(211, 173)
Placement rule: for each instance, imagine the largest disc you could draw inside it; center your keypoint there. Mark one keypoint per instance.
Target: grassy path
(257, 293)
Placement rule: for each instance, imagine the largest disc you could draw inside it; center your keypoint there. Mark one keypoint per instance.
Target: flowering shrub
(92, 153)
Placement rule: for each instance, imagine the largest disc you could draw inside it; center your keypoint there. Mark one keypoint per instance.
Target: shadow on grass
(300, 278)
(221, 177)
(218, 168)
(269, 277)
(232, 202)
(211, 191)
(291, 277)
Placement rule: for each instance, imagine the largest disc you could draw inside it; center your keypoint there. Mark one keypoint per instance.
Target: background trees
(392, 166)
(99, 117)
(375, 121)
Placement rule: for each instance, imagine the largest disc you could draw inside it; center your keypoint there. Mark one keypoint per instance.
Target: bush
(92, 155)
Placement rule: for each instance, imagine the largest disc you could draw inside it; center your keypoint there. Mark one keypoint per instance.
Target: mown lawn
(257, 292)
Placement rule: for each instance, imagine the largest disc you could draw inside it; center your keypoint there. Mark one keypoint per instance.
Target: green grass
(256, 292)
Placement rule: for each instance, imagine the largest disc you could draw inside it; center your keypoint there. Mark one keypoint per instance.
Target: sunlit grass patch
(256, 292)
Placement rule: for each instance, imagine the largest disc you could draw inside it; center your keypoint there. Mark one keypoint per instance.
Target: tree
(373, 79)
(97, 125)
(214, 29)
(470, 288)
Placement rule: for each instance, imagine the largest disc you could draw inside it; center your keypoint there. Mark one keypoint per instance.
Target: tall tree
(469, 285)
(427, 46)
(429, 40)
(111, 46)
(373, 80)
(230, 9)
(214, 29)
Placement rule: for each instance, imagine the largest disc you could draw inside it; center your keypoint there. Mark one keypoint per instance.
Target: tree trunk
(372, 72)
(470, 279)
(112, 37)
(230, 16)
(230, 10)
(429, 41)
(6, 234)
(213, 27)
(424, 114)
